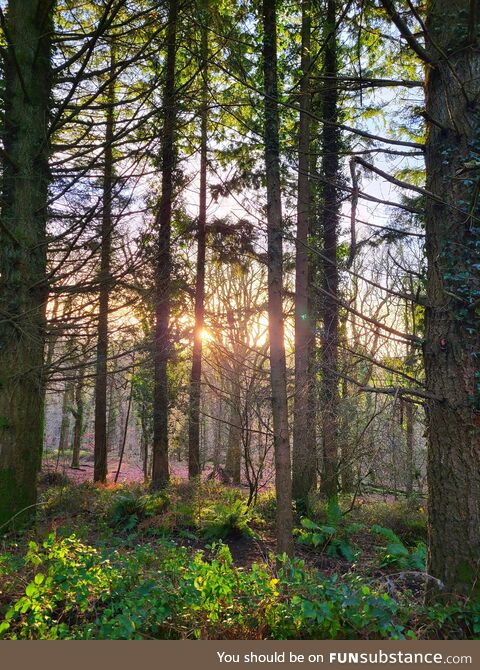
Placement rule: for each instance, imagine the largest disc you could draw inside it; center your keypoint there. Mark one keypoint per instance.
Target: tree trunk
(304, 456)
(65, 423)
(278, 374)
(144, 440)
(160, 474)
(23, 285)
(121, 451)
(79, 416)
(330, 218)
(410, 464)
(101, 378)
(234, 446)
(196, 373)
(347, 450)
(112, 413)
(452, 339)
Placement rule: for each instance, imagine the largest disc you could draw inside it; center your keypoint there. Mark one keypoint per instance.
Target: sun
(206, 335)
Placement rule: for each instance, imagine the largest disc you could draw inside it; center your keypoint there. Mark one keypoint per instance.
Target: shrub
(396, 554)
(334, 537)
(266, 506)
(227, 520)
(77, 592)
(407, 519)
(132, 506)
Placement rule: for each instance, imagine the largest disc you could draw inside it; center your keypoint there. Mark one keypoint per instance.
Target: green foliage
(227, 520)
(456, 620)
(72, 579)
(131, 507)
(322, 607)
(333, 537)
(406, 518)
(78, 592)
(266, 506)
(64, 587)
(396, 554)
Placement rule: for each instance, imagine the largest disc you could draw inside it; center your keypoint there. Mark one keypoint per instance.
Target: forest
(240, 319)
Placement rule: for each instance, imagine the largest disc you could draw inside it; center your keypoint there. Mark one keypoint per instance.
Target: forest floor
(119, 562)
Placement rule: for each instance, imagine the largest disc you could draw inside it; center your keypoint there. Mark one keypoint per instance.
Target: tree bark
(160, 473)
(330, 220)
(278, 374)
(23, 284)
(233, 462)
(304, 456)
(196, 372)
(410, 464)
(65, 423)
(452, 339)
(79, 417)
(101, 376)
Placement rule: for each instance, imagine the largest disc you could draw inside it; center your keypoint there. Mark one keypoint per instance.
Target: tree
(160, 474)
(278, 373)
(452, 333)
(304, 452)
(329, 221)
(196, 373)
(101, 379)
(27, 28)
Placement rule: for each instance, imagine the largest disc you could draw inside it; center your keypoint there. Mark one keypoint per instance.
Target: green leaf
(31, 590)
(309, 524)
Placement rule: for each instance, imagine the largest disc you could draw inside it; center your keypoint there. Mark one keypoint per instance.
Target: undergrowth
(123, 563)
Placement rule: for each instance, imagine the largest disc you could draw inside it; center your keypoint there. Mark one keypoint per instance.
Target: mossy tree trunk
(23, 285)
(452, 336)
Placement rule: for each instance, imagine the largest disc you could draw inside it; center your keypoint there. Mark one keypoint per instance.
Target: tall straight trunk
(23, 284)
(65, 422)
(233, 460)
(144, 439)
(347, 448)
(160, 474)
(304, 456)
(78, 413)
(410, 463)
(330, 220)
(101, 379)
(122, 445)
(112, 412)
(278, 373)
(452, 336)
(196, 373)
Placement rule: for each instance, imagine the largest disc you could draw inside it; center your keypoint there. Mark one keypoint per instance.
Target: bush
(334, 537)
(396, 554)
(406, 518)
(54, 478)
(227, 520)
(68, 501)
(266, 506)
(75, 591)
(132, 506)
